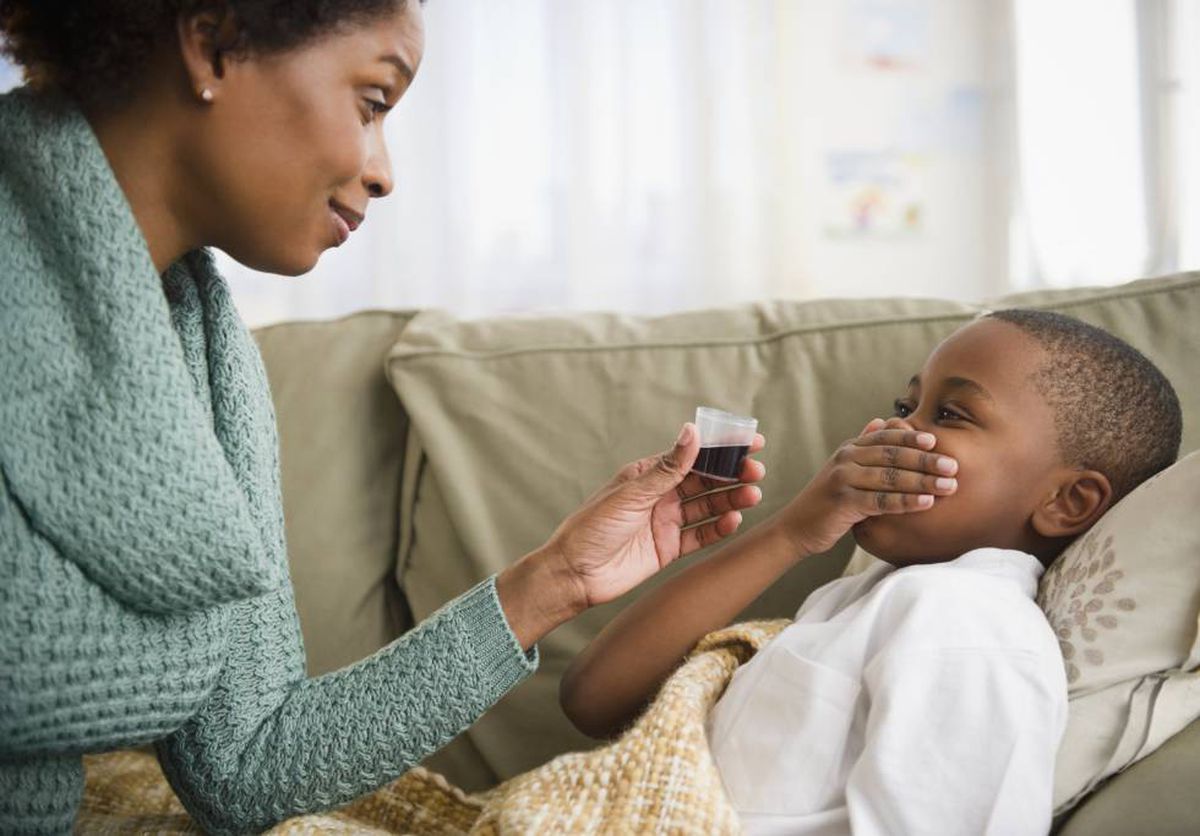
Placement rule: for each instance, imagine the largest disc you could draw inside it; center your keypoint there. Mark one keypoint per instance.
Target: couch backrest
(341, 433)
(516, 420)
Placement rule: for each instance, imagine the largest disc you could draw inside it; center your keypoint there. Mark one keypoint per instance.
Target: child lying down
(927, 694)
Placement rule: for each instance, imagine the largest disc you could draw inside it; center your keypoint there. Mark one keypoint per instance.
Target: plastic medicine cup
(725, 440)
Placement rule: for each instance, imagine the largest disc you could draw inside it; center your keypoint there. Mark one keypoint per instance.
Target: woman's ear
(1076, 501)
(205, 38)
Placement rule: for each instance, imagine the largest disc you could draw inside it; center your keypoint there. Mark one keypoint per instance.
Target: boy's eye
(903, 409)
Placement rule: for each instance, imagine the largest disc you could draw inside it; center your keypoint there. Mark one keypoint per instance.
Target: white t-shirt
(928, 699)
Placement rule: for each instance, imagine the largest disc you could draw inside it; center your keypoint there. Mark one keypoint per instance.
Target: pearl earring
(206, 94)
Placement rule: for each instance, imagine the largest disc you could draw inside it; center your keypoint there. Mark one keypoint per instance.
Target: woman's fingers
(705, 534)
(753, 470)
(715, 504)
(694, 484)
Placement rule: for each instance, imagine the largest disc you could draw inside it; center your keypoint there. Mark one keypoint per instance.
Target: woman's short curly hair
(95, 50)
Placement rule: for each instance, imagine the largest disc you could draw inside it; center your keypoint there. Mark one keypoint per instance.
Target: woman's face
(292, 148)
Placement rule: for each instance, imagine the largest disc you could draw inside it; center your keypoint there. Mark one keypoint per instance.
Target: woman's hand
(653, 512)
(634, 526)
(888, 469)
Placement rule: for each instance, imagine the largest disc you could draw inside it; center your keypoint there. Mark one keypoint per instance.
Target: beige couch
(421, 454)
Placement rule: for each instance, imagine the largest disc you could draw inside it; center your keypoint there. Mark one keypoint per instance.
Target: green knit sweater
(144, 590)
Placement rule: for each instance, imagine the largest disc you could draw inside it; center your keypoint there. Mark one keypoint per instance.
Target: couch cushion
(516, 421)
(341, 436)
(1156, 795)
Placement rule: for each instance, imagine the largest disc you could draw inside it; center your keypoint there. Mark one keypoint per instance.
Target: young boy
(927, 694)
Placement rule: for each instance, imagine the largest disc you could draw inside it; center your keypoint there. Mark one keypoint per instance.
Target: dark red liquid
(721, 462)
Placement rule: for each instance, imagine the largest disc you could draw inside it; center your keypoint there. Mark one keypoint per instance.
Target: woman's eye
(945, 414)
(901, 409)
(376, 107)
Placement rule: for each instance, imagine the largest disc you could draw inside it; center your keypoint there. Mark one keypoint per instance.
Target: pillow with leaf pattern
(1124, 601)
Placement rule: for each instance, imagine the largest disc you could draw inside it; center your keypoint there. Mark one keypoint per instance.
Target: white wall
(948, 110)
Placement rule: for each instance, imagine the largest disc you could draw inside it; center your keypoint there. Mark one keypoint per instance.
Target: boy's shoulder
(988, 572)
(984, 597)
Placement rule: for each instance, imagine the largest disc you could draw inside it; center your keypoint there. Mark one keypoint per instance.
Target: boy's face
(974, 394)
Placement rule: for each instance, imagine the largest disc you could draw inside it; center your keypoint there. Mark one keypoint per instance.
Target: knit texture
(145, 592)
(659, 777)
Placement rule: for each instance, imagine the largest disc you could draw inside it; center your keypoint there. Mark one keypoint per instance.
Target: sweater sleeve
(271, 743)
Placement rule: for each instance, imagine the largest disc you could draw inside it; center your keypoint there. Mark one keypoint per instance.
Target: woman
(145, 593)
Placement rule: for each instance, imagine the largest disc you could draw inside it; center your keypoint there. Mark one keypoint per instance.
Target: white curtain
(557, 155)
(654, 155)
(1181, 90)
(1082, 212)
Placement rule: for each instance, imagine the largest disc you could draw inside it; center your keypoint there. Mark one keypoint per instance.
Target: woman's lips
(345, 221)
(341, 229)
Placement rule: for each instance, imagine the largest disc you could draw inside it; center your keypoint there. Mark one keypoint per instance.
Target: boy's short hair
(1114, 411)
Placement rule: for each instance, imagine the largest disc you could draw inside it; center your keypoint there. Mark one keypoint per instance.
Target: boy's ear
(1078, 499)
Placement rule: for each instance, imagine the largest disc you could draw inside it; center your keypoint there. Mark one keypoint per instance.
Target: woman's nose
(377, 175)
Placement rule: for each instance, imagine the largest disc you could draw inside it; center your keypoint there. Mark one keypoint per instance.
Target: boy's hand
(887, 469)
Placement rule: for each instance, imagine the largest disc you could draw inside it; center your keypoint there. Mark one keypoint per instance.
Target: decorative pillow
(1124, 601)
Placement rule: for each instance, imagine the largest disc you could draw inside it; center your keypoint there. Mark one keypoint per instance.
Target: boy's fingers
(873, 425)
(905, 458)
(894, 479)
(760, 441)
(874, 503)
(898, 437)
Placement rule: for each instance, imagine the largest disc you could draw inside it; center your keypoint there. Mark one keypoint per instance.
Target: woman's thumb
(670, 467)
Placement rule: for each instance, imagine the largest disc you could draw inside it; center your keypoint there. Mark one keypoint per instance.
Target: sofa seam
(365, 313)
(979, 308)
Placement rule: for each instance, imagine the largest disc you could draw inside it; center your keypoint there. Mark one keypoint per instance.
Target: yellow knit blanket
(656, 778)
